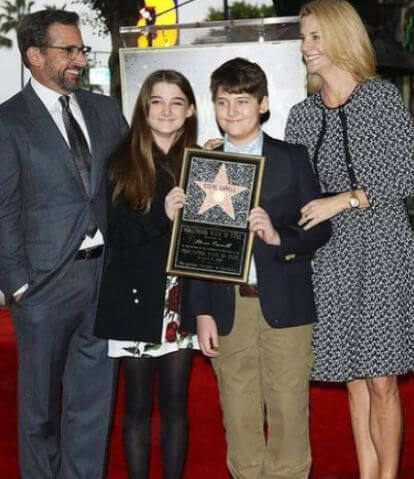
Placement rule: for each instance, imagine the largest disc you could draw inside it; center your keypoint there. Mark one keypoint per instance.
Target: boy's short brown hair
(239, 75)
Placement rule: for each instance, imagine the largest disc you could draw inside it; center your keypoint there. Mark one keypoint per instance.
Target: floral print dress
(172, 337)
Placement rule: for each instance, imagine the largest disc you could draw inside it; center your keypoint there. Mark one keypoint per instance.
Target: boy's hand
(261, 225)
(175, 200)
(207, 335)
(213, 143)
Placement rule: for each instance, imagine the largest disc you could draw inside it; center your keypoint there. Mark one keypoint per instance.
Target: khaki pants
(263, 376)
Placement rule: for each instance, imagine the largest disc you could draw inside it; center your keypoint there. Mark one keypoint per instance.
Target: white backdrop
(281, 62)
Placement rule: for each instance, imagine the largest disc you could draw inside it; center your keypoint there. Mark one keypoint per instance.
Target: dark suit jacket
(43, 207)
(131, 303)
(283, 272)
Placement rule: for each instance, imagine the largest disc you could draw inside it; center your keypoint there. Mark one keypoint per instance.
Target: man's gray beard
(70, 86)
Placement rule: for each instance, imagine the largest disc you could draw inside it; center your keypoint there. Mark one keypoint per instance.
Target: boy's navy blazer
(283, 272)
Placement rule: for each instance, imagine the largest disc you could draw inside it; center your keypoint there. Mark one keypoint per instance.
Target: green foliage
(5, 42)
(111, 14)
(241, 10)
(54, 7)
(10, 16)
(408, 29)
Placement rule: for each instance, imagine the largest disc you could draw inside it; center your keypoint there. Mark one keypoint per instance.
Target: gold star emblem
(219, 193)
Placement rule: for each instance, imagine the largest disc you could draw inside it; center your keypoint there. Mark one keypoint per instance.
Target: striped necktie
(80, 151)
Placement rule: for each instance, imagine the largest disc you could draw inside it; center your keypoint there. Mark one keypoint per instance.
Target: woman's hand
(261, 225)
(207, 335)
(213, 143)
(322, 209)
(175, 200)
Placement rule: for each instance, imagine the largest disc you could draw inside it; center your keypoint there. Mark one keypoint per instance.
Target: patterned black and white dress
(364, 276)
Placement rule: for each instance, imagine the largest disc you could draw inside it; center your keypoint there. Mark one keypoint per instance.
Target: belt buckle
(88, 252)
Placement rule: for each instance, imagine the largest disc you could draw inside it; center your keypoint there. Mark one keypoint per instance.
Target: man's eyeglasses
(73, 51)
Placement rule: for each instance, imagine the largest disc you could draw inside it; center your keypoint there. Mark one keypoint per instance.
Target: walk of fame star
(219, 193)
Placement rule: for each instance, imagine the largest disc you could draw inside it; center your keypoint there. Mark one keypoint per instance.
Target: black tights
(173, 370)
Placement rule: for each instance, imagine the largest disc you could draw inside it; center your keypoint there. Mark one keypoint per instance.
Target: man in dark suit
(54, 144)
(259, 334)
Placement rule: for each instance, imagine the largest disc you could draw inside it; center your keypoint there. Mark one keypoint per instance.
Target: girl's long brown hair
(133, 169)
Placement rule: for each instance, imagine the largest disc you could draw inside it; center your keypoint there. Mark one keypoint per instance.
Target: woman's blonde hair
(346, 41)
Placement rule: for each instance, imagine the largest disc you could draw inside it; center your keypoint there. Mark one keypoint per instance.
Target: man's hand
(261, 225)
(174, 201)
(18, 297)
(207, 335)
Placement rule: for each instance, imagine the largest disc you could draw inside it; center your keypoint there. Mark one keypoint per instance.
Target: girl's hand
(175, 200)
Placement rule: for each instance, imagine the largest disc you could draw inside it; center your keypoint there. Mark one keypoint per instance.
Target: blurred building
(390, 24)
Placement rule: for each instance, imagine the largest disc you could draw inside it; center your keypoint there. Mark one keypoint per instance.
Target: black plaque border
(172, 267)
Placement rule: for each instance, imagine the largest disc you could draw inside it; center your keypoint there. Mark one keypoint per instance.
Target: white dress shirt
(253, 148)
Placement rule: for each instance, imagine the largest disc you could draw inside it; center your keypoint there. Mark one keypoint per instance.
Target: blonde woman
(361, 140)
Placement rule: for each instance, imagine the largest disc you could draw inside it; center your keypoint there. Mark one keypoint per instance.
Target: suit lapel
(92, 122)
(45, 127)
(268, 177)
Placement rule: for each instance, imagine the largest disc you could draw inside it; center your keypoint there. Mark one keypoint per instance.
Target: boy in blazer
(259, 335)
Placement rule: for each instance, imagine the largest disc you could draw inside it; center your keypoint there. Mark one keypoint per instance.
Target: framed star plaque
(211, 237)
